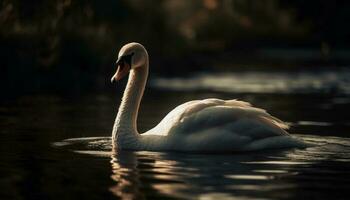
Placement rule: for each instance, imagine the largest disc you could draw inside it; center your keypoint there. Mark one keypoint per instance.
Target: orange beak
(123, 69)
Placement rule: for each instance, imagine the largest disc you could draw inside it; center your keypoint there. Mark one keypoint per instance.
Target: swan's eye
(125, 59)
(128, 58)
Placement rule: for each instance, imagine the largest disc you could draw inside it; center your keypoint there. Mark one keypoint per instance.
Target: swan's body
(201, 125)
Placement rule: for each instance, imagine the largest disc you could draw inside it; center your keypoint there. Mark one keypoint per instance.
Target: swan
(208, 125)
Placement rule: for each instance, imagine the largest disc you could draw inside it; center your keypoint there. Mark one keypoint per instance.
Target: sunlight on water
(278, 162)
(311, 123)
(271, 171)
(270, 174)
(263, 82)
(249, 177)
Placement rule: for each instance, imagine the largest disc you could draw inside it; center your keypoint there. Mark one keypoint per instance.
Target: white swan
(210, 125)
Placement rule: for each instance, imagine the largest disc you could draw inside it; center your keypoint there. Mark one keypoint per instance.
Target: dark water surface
(37, 162)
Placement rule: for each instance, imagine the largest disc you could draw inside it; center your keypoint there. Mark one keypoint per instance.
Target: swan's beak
(123, 69)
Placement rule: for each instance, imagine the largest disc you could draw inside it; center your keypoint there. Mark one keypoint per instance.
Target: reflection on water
(263, 82)
(127, 177)
(254, 175)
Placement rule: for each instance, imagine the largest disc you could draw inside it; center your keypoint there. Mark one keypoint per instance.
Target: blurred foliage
(59, 44)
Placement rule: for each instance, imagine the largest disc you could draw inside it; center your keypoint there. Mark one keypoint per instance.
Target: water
(325, 81)
(38, 162)
(287, 174)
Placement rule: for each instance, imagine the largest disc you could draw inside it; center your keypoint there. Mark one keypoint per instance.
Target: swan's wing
(173, 118)
(237, 116)
(250, 122)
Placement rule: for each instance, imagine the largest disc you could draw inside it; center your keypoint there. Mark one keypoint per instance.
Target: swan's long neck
(125, 126)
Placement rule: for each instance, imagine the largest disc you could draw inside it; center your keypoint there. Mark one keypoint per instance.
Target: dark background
(58, 46)
(57, 58)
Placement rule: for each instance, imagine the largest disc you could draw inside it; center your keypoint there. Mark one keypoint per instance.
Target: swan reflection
(131, 170)
(140, 175)
(126, 175)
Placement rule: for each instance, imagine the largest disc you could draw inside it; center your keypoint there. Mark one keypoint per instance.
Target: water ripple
(270, 174)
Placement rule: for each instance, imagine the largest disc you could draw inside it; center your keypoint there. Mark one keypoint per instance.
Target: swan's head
(131, 56)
